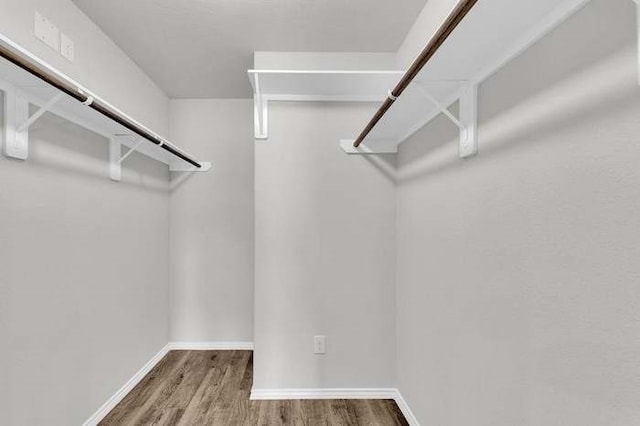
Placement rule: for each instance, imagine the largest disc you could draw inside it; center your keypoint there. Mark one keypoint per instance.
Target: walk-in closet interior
(328, 212)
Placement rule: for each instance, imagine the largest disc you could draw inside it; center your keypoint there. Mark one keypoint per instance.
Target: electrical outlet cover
(319, 344)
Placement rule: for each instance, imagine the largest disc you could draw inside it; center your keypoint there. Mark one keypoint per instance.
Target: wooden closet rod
(456, 16)
(102, 107)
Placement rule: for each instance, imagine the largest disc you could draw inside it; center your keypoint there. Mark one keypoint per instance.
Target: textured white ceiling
(202, 48)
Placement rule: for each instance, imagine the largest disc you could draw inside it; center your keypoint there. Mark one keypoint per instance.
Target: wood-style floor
(212, 388)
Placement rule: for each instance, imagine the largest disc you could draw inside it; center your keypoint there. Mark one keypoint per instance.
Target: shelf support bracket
(467, 122)
(40, 112)
(260, 112)
(15, 143)
(116, 158)
(469, 117)
(131, 151)
(115, 163)
(444, 110)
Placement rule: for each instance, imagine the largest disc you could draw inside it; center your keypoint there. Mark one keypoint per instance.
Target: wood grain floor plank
(207, 393)
(395, 413)
(212, 388)
(130, 406)
(194, 375)
(150, 412)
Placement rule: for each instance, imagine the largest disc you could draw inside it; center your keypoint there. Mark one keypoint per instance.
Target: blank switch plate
(48, 33)
(319, 344)
(67, 47)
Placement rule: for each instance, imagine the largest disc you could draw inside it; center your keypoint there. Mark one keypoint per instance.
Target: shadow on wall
(600, 91)
(604, 374)
(64, 148)
(596, 77)
(386, 164)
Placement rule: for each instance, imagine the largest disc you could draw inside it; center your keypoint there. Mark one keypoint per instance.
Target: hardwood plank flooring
(212, 388)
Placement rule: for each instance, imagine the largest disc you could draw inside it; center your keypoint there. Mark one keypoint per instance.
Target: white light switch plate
(319, 344)
(48, 33)
(67, 47)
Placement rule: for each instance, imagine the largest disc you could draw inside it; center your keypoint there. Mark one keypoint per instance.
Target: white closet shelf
(323, 85)
(493, 33)
(22, 88)
(316, 85)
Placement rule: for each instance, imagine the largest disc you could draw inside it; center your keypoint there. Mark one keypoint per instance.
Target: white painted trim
(337, 393)
(211, 346)
(124, 390)
(102, 412)
(559, 15)
(256, 394)
(369, 147)
(406, 411)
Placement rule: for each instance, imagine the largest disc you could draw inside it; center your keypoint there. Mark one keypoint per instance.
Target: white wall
(83, 260)
(84, 274)
(518, 292)
(325, 252)
(212, 219)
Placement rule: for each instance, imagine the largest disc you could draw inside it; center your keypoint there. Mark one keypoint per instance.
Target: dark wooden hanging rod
(456, 16)
(103, 108)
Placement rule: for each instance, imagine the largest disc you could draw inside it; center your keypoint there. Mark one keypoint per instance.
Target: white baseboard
(404, 407)
(256, 394)
(339, 393)
(128, 387)
(124, 390)
(211, 346)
